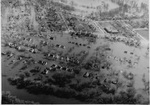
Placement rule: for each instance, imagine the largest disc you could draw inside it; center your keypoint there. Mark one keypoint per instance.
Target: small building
(110, 30)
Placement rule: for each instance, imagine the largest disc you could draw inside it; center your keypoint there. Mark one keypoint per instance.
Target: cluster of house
(29, 60)
(20, 48)
(27, 39)
(55, 67)
(8, 53)
(14, 45)
(50, 56)
(130, 42)
(124, 60)
(44, 43)
(60, 46)
(83, 34)
(79, 44)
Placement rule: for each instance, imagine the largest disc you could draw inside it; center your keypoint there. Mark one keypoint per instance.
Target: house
(57, 56)
(58, 67)
(42, 62)
(63, 68)
(86, 75)
(69, 70)
(45, 71)
(53, 65)
(63, 47)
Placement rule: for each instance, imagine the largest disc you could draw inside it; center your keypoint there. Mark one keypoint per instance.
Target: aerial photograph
(75, 52)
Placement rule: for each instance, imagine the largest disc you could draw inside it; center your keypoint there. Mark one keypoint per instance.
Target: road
(97, 26)
(100, 28)
(62, 17)
(140, 29)
(118, 20)
(133, 30)
(126, 25)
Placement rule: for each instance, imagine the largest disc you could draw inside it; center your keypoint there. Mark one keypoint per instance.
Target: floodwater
(138, 55)
(139, 59)
(22, 94)
(62, 39)
(144, 33)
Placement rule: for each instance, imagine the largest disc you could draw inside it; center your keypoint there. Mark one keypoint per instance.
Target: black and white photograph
(75, 52)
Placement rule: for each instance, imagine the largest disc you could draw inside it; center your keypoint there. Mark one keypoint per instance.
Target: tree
(72, 3)
(64, 1)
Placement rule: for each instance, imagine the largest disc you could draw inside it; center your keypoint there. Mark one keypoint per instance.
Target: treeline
(63, 6)
(130, 4)
(7, 98)
(125, 6)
